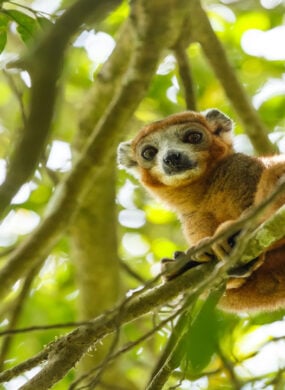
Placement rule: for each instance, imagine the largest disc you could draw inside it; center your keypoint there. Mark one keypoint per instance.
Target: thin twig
(17, 309)
(128, 346)
(174, 351)
(18, 94)
(131, 272)
(230, 370)
(184, 69)
(37, 328)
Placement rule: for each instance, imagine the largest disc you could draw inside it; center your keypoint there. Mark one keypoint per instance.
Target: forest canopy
(83, 303)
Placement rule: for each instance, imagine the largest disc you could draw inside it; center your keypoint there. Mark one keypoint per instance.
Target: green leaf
(44, 23)
(27, 26)
(201, 340)
(4, 20)
(3, 40)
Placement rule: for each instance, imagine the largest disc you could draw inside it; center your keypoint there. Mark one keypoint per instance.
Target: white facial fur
(170, 139)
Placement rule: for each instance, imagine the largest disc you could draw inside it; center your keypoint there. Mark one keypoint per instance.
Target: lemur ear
(222, 125)
(125, 156)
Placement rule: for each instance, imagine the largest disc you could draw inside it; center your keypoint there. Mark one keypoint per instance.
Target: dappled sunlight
(17, 223)
(257, 336)
(267, 44)
(271, 358)
(270, 4)
(46, 6)
(24, 193)
(3, 168)
(132, 218)
(135, 244)
(59, 156)
(98, 46)
(167, 65)
(21, 380)
(272, 87)
(125, 195)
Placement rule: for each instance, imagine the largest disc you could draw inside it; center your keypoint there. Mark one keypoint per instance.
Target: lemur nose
(173, 159)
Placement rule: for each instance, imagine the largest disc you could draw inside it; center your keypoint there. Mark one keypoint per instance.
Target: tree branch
(272, 230)
(204, 33)
(91, 247)
(63, 354)
(186, 76)
(44, 64)
(128, 346)
(16, 312)
(66, 351)
(106, 84)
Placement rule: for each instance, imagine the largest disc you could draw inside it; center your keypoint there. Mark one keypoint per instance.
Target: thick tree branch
(91, 248)
(44, 64)
(106, 84)
(203, 32)
(128, 346)
(265, 235)
(66, 351)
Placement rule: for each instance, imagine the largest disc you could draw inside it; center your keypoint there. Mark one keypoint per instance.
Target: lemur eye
(193, 137)
(149, 152)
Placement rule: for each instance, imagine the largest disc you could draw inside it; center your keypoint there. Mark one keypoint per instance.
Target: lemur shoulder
(187, 160)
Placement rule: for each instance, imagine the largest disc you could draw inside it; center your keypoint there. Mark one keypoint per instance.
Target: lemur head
(177, 150)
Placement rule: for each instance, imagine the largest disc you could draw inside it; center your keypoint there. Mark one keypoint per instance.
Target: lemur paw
(217, 251)
(170, 267)
(223, 248)
(203, 256)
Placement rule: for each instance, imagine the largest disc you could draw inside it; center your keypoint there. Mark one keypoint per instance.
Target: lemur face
(176, 150)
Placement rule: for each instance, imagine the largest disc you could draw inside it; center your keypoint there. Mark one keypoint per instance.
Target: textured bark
(94, 252)
(93, 232)
(95, 249)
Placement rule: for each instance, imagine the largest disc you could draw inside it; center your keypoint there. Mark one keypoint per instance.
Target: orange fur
(264, 289)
